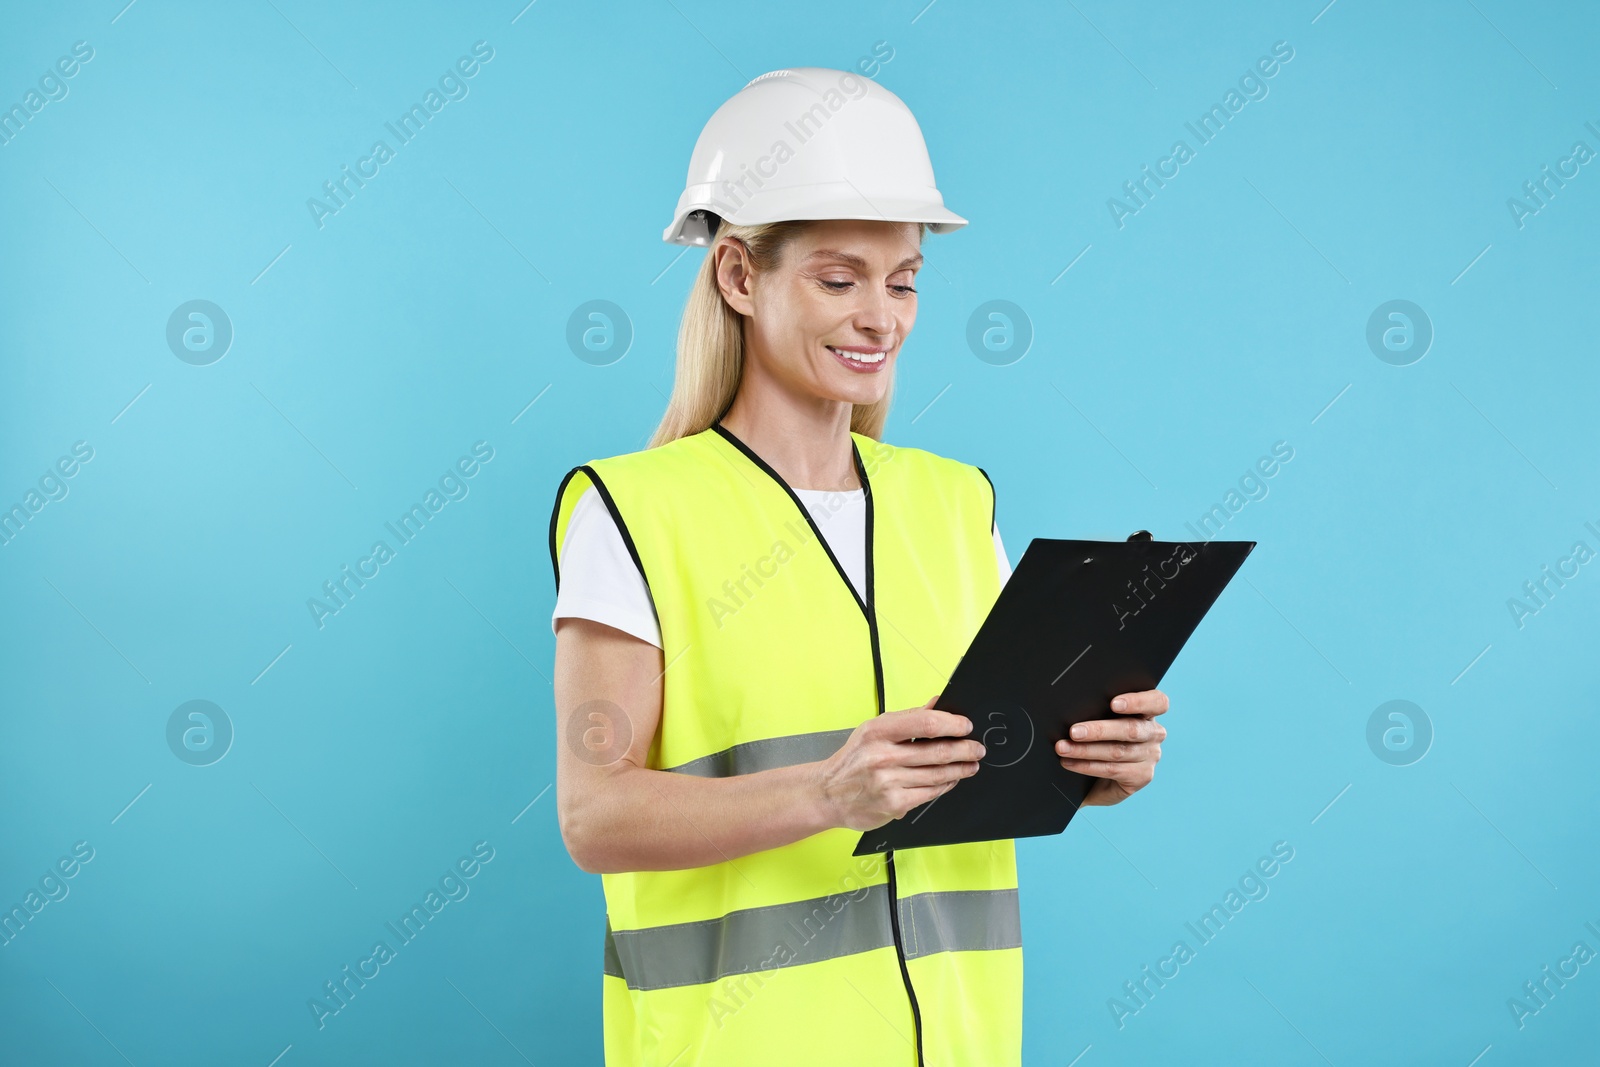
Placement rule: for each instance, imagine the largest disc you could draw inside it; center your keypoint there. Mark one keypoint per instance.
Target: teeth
(860, 357)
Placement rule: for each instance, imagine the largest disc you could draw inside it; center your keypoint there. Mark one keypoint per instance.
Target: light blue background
(1225, 316)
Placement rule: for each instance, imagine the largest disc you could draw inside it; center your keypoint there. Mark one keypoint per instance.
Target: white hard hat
(809, 143)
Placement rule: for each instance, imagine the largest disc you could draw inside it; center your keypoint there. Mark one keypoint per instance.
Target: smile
(860, 361)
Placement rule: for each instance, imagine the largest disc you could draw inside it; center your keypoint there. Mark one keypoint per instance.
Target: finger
(907, 799)
(1144, 702)
(1111, 751)
(922, 722)
(903, 803)
(1131, 728)
(1134, 774)
(934, 753)
(929, 777)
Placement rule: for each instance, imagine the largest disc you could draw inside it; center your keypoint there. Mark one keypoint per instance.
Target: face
(828, 321)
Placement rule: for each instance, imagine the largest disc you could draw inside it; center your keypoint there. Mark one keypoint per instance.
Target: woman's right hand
(879, 774)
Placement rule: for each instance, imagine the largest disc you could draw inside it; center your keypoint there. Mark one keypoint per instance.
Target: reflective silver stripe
(960, 921)
(613, 966)
(807, 931)
(766, 754)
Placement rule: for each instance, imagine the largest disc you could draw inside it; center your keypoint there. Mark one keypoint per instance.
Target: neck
(806, 440)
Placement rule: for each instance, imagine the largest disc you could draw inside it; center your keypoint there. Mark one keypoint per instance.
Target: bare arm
(616, 814)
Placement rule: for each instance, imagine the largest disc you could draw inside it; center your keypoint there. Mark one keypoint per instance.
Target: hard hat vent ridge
(768, 74)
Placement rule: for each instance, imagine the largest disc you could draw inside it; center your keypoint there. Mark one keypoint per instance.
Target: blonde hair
(711, 347)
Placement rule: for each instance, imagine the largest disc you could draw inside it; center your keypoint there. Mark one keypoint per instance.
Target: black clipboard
(1077, 623)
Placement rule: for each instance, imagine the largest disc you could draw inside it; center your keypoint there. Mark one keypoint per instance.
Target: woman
(752, 614)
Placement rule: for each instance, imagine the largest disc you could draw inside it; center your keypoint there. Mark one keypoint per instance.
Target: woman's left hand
(1121, 751)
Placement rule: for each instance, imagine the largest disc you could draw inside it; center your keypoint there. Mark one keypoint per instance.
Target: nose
(876, 312)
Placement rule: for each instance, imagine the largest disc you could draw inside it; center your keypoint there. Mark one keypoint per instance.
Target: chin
(858, 395)
(857, 388)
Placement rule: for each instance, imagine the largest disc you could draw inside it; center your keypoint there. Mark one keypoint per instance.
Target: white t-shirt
(599, 580)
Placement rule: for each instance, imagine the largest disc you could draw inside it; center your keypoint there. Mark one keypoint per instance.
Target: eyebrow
(914, 260)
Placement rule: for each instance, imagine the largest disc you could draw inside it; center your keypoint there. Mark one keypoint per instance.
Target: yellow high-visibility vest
(804, 954)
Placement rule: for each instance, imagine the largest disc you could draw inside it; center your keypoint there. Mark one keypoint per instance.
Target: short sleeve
(599, 579)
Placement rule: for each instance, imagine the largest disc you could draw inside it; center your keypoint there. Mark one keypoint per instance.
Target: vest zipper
(866, 605)
(869, 606)
(900, 951)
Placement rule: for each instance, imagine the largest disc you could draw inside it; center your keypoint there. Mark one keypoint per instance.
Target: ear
(734, 274)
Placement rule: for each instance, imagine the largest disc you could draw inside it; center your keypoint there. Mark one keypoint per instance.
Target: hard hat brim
(690, 227)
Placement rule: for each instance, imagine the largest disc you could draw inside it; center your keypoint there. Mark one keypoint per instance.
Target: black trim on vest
(994, 504)
(555, 512)
(616, 517)
(805, 513)
(867, 608)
